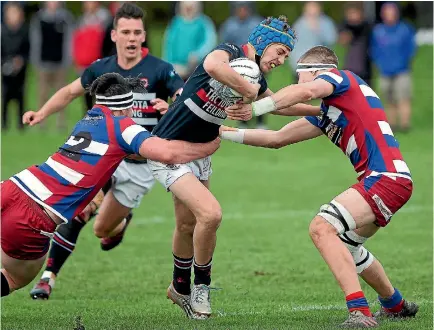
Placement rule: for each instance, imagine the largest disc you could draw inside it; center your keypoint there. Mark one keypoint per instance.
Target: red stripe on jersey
(125, 123)
(148, 109)
(202, 95)
(245, 49)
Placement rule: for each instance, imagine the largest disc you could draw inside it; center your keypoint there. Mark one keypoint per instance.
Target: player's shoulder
(228, 46)
(157, 62)
(104, 63)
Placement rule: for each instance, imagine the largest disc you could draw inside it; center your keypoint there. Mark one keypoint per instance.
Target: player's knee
(211, 216)
(185, 227)
(338, 216)
(319, 228)
(100, 229)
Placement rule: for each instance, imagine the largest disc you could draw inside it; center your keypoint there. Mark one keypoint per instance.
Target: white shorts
(131, 182)
(168, 174)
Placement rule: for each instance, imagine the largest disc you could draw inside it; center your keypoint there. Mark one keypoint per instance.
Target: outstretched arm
(57, 102)
(296, 131)
(175, 151)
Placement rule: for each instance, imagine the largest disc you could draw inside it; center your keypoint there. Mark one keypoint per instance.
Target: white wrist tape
(263, 106)
(234, 136)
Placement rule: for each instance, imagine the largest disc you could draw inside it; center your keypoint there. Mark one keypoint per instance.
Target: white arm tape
(234, 136)
(263, 106)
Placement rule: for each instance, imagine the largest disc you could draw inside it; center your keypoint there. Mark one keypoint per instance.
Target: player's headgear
(114, 91)
(271, 31)
(317, 58)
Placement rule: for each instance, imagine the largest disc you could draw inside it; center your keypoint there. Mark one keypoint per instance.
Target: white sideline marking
(278, 213)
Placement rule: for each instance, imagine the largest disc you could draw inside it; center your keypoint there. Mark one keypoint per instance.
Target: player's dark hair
(319, 54)
(112, 84)
(128, 10)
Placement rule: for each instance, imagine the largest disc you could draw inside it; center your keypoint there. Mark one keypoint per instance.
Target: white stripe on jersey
(401, 166)
(332, 75)
(33, 183)
(202, 113)
(351, 146)
(368, 91)
(94, 147)
(145, 121)
(385, 128)
(333, 113)
(64, 171)
(131, 132)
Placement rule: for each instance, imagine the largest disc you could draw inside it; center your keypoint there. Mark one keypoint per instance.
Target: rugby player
(133, 179)
(38, 199)
(353, 118)
(196, 116)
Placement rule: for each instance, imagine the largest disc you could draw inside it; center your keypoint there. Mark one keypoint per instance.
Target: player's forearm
(183, 152)
(283, 99)
(57, 102)
(299, 109)
(223, 73)
(252, 137)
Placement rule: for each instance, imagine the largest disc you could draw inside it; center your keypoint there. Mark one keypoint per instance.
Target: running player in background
(38, 199)
(196, 116)
(353, 118)
(133, 179)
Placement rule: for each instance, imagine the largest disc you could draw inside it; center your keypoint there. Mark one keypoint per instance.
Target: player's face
(305, 76)
(129, 36)
(274, 55)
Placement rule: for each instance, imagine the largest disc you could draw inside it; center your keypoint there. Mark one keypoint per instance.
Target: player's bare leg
(404, 110)
(111, 221)
(355, 211)
(18, 273)
(206, 209)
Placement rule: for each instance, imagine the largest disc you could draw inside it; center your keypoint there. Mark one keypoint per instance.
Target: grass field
(270, 275)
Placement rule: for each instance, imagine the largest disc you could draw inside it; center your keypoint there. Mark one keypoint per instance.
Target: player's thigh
(196, 196)
(20, 272)
(110, 214)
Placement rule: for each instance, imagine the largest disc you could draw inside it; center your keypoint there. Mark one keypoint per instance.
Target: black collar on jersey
(116, 102)
(314, 66)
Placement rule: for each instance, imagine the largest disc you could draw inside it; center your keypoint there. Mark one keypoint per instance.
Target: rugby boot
(183, 301)
(108, 243)
(41, 290)
(359, 320)
(409, 309)
(200, 299)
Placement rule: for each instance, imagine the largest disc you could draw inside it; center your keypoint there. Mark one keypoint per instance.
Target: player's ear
(113, 35)
(144, 37)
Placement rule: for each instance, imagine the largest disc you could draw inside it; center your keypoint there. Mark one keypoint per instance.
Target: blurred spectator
(313, 28)
(392, 49)
(188, 38)
(108, 46)
(14, 58)
(355, 33)
(50, 45)
(88, 38)
(236, 29)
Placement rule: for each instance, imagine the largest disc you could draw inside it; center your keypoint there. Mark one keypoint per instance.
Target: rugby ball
(248, 69)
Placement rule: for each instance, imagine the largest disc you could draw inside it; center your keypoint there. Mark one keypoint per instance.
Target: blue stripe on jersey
(138, 140)
(91, 159)
(26, 187)
(355, 157)
(49, 171)
(370, 181)
(374, 102)
(376, 160)
(391, 141)
(125, 146)
(68, 205)
(313, 120)
(340, 86)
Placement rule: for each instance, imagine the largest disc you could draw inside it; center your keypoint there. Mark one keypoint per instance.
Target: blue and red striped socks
(394, 303)
(357, 302)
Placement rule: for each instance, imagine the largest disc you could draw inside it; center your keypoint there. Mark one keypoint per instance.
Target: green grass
(270, 274)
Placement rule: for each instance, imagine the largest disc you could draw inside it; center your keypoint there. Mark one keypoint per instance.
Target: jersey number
(83, 140)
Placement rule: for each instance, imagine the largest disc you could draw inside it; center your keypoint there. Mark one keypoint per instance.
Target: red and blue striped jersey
(71, 177)
(353, 118)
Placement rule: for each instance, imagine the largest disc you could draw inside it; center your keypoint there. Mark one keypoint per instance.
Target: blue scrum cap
(271, 31)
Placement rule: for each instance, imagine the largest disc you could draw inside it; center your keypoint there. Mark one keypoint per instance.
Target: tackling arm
(175, 151)
(296, 131)
(57, 102)
(216, 64)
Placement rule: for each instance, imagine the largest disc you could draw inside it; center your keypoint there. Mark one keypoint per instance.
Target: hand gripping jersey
(71, 177)
(353, 118)
(159, 77)
(198, 112)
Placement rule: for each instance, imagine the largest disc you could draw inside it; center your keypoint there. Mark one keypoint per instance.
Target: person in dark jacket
(14, 58)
